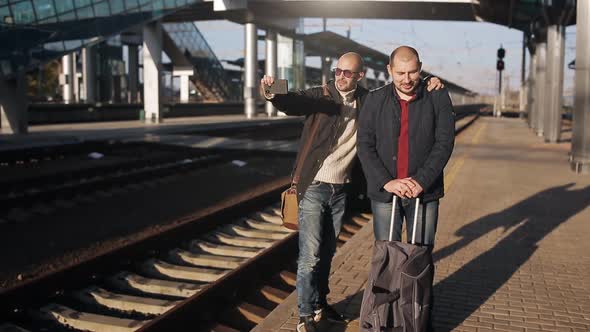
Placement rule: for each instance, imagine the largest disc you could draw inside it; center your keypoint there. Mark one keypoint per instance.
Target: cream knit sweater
(337, 166)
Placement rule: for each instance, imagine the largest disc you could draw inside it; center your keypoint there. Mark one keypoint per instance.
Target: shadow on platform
(529, 221)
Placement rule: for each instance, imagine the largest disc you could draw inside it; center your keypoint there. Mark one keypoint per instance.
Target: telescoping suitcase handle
(393, 205)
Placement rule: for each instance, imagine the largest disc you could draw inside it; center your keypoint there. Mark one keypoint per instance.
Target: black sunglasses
(347, 73)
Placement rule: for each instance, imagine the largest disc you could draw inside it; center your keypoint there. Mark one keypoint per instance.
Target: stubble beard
(344, 86)
(410, 90)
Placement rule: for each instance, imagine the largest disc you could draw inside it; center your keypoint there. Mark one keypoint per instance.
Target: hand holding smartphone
(278, 87)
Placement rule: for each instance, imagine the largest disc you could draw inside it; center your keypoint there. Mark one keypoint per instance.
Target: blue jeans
(426, 222)
(320, 219)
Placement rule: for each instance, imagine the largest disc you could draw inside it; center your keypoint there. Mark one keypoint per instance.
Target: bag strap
(383, 296)
(305, 149)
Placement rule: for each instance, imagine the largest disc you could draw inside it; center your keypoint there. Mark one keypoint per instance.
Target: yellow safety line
(450, 176)
(475, 139)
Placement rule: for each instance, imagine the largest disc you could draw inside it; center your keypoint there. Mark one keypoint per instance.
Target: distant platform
(59, 134)
(55, 113)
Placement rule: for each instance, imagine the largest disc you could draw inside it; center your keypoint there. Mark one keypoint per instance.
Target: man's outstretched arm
(304, 102)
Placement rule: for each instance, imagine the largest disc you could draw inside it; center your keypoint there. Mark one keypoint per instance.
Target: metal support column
(89, 74)
(75, 78)
(67, 62)
(326, 63)
(133, 74)
(250, 70)
(152, 78)
(522, 96)
(531, 88)
(184, 88)
(13, 105)
(298, 64)
(271, 64)
(554, 82)
(580, 156)
(184, 73)
(540, 89)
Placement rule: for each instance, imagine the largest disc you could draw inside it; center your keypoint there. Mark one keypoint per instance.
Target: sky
(461, 52)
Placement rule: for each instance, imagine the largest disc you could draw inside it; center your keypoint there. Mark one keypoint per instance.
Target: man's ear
(389, 69)
(361, 75)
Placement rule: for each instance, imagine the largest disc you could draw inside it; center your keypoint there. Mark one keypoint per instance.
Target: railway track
(235, 253)
(43, 193)
(40, 180)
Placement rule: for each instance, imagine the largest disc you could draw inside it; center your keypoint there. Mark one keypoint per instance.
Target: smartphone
(279, 87)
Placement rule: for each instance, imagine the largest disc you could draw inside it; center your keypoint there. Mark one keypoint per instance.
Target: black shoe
(306, 324)
(328, 313)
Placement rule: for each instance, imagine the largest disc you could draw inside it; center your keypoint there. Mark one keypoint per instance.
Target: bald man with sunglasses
(329, 166)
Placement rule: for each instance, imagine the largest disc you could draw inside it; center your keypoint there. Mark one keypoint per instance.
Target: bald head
(354, 59)
(405, 54)
(404, 67)
(349, 70)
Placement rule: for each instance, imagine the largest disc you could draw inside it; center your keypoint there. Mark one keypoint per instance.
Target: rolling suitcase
(397, 297)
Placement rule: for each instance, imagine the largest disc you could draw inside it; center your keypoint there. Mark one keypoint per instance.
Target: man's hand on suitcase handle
(407, 187)
(416, 189)
(399, 187)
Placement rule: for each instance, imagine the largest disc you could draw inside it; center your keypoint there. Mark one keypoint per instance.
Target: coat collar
(419, 91)
(335, 95)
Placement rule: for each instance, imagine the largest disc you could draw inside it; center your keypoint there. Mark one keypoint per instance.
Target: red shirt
(403, 145)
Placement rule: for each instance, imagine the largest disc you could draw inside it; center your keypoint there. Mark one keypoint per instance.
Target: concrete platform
(58, 134)
(511, 248)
